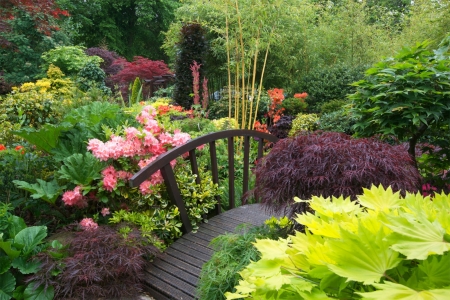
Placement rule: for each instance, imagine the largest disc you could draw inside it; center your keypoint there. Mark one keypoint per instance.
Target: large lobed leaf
(81, 169)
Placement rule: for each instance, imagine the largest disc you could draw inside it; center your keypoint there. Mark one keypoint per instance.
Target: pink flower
(131, 133)
(180, 138)
(109, 171)
(165, 138)
(105, 211)
(109, 182)
(74, 198)
(88, 224)
(145, 187)
(124, 175)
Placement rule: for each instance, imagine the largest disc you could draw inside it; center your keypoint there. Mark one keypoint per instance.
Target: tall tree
(128, 27)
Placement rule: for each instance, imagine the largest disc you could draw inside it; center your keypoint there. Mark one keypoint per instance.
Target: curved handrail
(172, 154)
(162, 163)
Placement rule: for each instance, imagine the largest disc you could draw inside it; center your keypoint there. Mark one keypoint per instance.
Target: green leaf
(6, 246)
(5, 264)
(7, 285)
(81, 169)
(377, 198)
(25, 266)
(390, 290)
(16, 224)
(436, 270)
(46, 137)
(362, 256)
(39, 293)
(415, 236)
(30, 237)
(93, 113)
(47, 191)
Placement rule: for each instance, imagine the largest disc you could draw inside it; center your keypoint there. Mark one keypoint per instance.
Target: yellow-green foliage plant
(225, 123)
(304, 122)
(382, 246)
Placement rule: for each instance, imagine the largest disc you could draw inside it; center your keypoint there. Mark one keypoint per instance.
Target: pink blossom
(88, 224)
(74, 198)
(131, 133)
(109, 171)
(105, 211)
(153, 126)
(156, 178)
(165, 138)
(145, 187)
(124, 175)
(94, 145)
(180, 138)
(109, 182)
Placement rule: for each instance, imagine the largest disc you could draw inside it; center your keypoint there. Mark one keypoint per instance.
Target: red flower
(2, 147)
(301, 96)
(18, 148)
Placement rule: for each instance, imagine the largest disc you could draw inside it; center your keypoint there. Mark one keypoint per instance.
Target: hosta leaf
(81, 169)
(39, 293)
(30, 237)
(44, 138)
(5, 264)
(6, 246)
(25, 266)
(377, 198)
(390, 290)
(47, 191)
(416, 237)
(362, 256)
(16, 224)
(7, 284)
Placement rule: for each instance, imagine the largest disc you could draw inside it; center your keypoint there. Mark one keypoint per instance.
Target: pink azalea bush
(125, 154)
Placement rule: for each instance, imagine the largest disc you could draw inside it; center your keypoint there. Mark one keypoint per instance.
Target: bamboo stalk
(228, 62)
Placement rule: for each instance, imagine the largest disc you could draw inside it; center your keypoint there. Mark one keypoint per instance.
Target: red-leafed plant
(330, 164)
(99, 263)
(140, 67)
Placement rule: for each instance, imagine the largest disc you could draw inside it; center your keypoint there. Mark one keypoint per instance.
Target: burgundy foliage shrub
(140, 67)
(108, 59)
(100, 263)
(330, 164)
(281, 128)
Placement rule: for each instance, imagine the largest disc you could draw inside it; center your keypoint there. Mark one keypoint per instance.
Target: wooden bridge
(174, 275)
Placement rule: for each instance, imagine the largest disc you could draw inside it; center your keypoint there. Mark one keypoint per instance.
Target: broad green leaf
(377, 198)
(39, 293)
(47, 191)
(7, 284)
(93, 113)
(44, 138)
(81, 169)
(362, 256)
(390, 290)
(16, 224)
(315, 294)
(30, 237)
(6, 246)
(25, 266)
(415, 237)
(5, 264)
(437, 270)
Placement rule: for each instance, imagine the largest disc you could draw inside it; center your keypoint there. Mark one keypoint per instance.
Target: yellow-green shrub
(225, 123)
(304, 122)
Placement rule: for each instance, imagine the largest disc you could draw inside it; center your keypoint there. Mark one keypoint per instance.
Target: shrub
(381, 247)
(332, 106)
(304, 122)
(339, 121)
(91, 75)
(140, 67)
(327, 84)
(282, 127)
(293, 106)
(97, 263)
(108, 59)
(191, 47)
(70, 59)
(330, 164)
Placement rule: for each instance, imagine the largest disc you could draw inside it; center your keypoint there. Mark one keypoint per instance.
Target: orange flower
(301, 96)
(2, 147)
(18, 148)
(276, 95)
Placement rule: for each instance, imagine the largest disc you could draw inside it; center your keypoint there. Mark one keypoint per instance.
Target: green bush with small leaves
(339, 121)
(332, 106)
(304, 122)
(293, 106)
(70, 59)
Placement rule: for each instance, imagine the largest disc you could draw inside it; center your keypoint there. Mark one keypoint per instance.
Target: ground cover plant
(381, 246)
(330, 164)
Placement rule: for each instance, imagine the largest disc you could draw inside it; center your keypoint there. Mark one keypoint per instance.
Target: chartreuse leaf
(7, 284)
(416, 237)
(363, 256)
(377, 198)
(47, 191)
(390, 290)
(334, 207)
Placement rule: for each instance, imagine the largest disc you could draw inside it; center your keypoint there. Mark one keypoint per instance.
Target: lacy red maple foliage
(141, 67)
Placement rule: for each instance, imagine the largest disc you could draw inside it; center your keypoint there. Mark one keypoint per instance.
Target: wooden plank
(169, 285)
(189, 251)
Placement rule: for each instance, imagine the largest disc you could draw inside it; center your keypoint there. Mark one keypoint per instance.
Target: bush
(381, 247)
(328, 84)
(330, 164)
(191, 47)
(304, 122)
(70, 59)
(332, 106)
(282, 128)
(293, 106)
(97, 263)
(339, 121)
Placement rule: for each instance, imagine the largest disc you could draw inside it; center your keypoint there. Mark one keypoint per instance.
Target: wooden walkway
(175, 274)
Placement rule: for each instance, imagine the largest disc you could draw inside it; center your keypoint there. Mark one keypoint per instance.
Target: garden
(357, 92)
